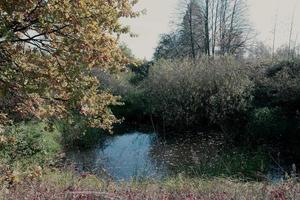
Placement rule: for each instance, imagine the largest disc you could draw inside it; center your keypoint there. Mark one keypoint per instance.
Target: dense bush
(28, 144)
(187, 93)
(75, 133)
(258, 98)
(128, 86)
(267, 123)
(140, 72)
(276, 99)
(279, 85)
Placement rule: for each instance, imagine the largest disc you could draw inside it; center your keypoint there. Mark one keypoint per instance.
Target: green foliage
(267, 122)
(279, 85)
(140, 72)
(128, 86)
(76, 133)
(276, 99)
(135, 106)
(28, 144)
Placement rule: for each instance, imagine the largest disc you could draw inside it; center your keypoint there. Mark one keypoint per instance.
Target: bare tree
(274, 36)
(190, 23)
(215, 16)
(207, 39)
(291, 33)
(295, 46)
(211, 27)
(233, 28)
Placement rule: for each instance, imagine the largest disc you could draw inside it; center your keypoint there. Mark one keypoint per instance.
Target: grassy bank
(30, 152)
(67, 185)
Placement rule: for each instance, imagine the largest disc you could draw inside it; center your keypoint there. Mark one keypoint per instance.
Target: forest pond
(149, 155)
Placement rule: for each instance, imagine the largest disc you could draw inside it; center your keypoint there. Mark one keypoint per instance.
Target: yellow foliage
(48, 50)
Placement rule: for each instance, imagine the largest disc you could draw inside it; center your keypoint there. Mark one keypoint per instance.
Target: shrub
(267, 123)
(186, 93)
(140, 72)
(126, 85)
(278, 85)
(26, 144)
(276, 99)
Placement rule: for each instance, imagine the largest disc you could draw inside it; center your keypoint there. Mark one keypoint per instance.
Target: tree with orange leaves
(48, 50)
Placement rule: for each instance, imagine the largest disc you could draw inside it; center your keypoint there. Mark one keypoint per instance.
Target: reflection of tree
(92, 160)
(181, 154)
(86, 161)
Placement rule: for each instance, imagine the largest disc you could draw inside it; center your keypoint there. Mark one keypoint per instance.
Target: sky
(262, 15)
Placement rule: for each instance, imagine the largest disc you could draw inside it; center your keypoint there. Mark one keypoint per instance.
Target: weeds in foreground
(67, 185)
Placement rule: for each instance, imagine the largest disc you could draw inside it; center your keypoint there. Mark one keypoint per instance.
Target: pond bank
(191, 167)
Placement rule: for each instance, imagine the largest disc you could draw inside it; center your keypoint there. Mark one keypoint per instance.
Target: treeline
(210, 74)
(221, 27)
(216, 27)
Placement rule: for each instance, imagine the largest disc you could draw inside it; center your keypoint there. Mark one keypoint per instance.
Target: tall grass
(65, 185)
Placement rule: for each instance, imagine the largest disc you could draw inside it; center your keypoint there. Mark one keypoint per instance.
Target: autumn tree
(48, 49)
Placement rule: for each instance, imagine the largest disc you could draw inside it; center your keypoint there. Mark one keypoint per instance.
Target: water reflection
(138, 154)
(180, 154)
(119, 157)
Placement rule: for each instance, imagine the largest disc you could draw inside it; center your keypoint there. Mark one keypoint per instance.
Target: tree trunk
(191, 31)
(207, 45)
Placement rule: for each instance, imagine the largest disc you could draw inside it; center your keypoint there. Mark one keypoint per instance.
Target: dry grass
(67, 185)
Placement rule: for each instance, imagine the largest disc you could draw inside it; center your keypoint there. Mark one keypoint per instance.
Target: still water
(139, 155)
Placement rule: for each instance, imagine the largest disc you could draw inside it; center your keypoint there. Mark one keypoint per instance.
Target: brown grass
(67, 185)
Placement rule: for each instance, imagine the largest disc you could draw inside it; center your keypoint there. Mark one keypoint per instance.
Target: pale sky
(262, 15)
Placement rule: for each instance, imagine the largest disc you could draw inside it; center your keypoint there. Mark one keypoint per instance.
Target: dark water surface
(140, 154)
